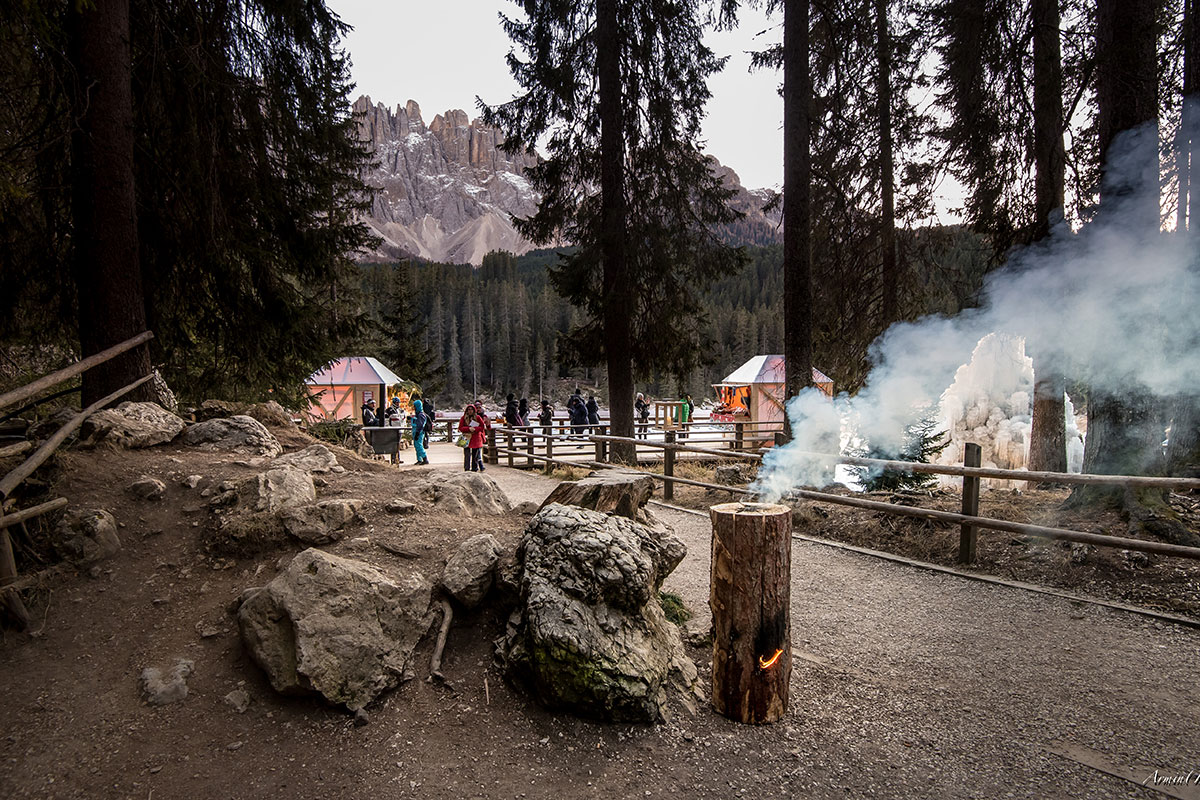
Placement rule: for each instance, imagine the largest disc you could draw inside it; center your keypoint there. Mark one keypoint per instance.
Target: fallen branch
(397, 550)
(435, 663)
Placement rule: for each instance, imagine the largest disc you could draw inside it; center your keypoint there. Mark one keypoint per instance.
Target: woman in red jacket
(473, 425)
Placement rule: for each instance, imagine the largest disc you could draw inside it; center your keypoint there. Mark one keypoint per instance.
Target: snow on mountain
(447, 192)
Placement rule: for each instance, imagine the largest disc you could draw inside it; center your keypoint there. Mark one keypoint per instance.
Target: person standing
(472, 427)
(418, 432)
(685, 414)
(523, 412)
(486, 424)
(642, 410)
(546, 418)
(511, 414)
(593, 412)
(578, 414)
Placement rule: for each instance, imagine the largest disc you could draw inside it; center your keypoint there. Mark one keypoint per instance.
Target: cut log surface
(608, 491)
(751, 591)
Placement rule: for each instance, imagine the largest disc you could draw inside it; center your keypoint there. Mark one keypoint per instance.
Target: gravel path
(912, 683)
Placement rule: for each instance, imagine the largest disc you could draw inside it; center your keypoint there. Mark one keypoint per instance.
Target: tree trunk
(887, 222)
(1123, 433)
(107, 274)
(1191, 107)
(618, 336)
(797, 201)
(1048, 439)
(751, 598)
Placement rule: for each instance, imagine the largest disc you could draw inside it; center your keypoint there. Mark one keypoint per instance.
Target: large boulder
(588, 634)
(240, 434)
(322, 522)
(277, 489)
(87, 535)
(314, 458)
(467, 494)
(131, 425)
(336, 626)
(469, 572)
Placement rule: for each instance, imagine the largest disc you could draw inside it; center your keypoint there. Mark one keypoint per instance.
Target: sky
(444, 55)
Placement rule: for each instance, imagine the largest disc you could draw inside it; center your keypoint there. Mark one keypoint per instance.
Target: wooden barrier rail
(969, 520)
(8, 565)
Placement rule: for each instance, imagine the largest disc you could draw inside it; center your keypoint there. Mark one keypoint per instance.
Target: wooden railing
(8, 564)
(503, 444)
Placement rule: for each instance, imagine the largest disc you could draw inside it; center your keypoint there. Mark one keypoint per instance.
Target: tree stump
(610, 492)
(750, 599)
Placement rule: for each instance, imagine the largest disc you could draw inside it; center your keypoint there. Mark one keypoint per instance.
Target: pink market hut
(754, 392)
(340, 389)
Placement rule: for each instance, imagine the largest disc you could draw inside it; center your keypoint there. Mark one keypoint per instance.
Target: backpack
(428, 424)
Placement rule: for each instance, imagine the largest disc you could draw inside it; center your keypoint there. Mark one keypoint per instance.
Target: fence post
(739, 436)
(970, 505)
(508, 445)
(529, 448)
(601, 446)
(493, 456)
(669, 466)
(549, 465)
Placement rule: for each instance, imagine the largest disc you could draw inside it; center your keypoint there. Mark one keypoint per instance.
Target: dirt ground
(904, 683)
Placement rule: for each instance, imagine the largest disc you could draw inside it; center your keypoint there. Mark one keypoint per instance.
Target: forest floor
(905, 682)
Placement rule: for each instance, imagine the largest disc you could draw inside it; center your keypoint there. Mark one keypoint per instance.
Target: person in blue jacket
(418, 432)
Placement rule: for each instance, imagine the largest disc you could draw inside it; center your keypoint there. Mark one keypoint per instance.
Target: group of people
(394, 416)
(583, 414)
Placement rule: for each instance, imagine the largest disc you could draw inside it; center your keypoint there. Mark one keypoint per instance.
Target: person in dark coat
(511, 417)
(523, 412)
(369, 417)
(642, 411)
(546, 418)
(593, 411)
(578, 412)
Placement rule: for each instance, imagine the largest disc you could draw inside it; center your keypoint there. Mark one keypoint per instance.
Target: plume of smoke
(1114, 305)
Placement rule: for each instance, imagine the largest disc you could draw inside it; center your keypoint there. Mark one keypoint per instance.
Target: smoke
(1113, 305)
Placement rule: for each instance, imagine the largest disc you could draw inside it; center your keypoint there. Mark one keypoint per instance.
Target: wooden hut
(344, 385)
(754, 392)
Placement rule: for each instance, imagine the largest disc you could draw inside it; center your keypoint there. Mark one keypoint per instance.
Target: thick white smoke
(1115, 306)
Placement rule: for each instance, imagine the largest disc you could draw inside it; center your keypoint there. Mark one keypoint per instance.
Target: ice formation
(990, 403)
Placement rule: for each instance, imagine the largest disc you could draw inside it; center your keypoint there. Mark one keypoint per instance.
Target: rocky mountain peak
(448, 192)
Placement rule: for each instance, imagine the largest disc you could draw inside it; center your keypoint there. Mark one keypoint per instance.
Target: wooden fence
(519, 447)
(8, 565)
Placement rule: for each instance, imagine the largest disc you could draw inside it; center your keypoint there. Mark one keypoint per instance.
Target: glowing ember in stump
(767, 663)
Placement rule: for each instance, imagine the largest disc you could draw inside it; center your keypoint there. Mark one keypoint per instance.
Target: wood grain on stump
(751, 592)
(610, 491)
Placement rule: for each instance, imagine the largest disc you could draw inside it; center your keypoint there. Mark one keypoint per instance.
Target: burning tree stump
(751, 592)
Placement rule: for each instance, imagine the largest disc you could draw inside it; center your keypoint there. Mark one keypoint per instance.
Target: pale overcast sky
(443, 55)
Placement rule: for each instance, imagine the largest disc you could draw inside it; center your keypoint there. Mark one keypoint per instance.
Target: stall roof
(765, 369)
(362, 370)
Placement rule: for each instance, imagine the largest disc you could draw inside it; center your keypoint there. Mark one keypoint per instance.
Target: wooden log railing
(969, 520)
(9, 596)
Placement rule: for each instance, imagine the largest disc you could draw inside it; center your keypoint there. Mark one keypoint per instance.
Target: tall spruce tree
(616, 89)
(246, 180)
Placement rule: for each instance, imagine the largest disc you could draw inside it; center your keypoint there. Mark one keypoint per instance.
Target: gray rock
(336, 626)
(399, 507)
(239, 434)
(162, 687)
(192, 481)
(131, 425)
(469, 572)
(528, 508)
(88, 535)
(589, 634)
(238, 700)
(467, 494)
(147, 488)
(315, 458)
(277, 489)
(321, 523)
